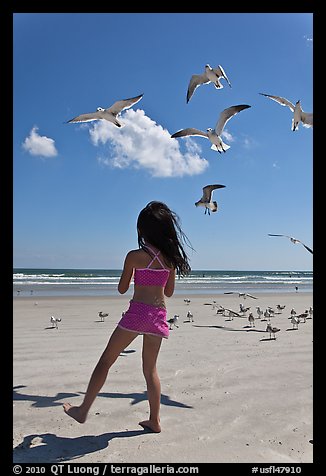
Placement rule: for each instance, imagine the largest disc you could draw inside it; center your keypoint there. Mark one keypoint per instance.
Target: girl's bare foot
(150, 425)
(74, 412)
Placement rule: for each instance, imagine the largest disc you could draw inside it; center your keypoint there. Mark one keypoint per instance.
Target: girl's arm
(169, 287)
(127, 273)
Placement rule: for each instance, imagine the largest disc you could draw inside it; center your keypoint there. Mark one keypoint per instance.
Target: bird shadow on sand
(138, 397)
(50, 448)
(224, 328)
(41, 401)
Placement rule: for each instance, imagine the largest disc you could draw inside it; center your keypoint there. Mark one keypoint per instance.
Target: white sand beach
(230, 394)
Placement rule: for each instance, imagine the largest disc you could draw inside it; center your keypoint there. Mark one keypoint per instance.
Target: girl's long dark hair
(160, 226)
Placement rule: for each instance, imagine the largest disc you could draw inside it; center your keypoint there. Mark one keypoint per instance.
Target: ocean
(103, 282)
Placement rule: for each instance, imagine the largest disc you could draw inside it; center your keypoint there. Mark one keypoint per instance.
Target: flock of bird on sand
(213, 76)
(244, 311)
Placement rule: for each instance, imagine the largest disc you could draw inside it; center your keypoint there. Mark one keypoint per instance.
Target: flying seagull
(298, 114)
(108, 114)
(294, 240)
(206, 200)
(210, 75)
(214, 135)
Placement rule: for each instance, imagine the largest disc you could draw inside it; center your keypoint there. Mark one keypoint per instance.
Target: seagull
(303, 316)
(214, 135)
(241, 294)
(210, 75)
(243, 309)
(206, 199)
(295, 321)
(54, 321)
(311, 311)
(173, 321)
(272, 330)
(108, 114)
(190, 316)
(102, 315)
(299, 116)
(294, 240)
(260, 312)
(251, 319)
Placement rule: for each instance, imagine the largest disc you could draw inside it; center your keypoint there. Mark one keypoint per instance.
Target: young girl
(153, 266)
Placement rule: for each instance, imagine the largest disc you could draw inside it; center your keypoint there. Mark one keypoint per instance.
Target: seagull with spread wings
(109, 114)
(294, 240)
(206, 200)
(214, 135)
(210, 75)
(298, 114)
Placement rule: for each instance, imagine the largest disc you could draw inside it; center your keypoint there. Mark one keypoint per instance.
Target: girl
(153, 266)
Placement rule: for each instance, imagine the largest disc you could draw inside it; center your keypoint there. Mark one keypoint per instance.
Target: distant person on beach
(153, 266)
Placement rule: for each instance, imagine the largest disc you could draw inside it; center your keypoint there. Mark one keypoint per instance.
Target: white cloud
(142, 143)
(39, 145)
(227, 136)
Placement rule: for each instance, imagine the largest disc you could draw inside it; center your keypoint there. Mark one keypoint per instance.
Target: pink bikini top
(150, 276)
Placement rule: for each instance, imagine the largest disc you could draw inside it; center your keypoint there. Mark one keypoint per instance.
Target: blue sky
(78, 188)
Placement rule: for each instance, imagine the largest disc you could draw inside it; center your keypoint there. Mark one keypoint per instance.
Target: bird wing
(270, 234)
(219, 71)
(208, 190)
(294, 240)
(189, 132)
(195, 81)
(307, 248)
(91, 116)
(307, 119)
(282, 101)
(118, 106)
(226, 115)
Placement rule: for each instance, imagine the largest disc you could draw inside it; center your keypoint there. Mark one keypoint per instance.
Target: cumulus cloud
(227, 136)
(39, 145)
(143, 144)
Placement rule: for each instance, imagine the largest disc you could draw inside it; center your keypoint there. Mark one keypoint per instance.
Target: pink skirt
(145, 319)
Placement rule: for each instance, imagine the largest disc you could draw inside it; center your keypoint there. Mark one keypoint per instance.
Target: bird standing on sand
(311, 311)
(109, 114)
(214, 135)
(54, 321)
(272, 330)
(280, 308)
(260, 312)
(102, 315)
(190, 316)
(294, 240)
(295, 322)
(298, 114)
(206, 200)
(210, 75)
(251, 319)
(243, 309)
(303, 316)
(173, 321)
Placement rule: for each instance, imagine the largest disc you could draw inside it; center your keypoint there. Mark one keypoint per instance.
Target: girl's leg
(119, 340)
(151, 347)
